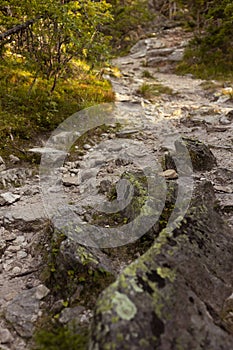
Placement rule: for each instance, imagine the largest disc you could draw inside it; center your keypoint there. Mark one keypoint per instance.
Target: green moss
(85, 256)
(61, 339)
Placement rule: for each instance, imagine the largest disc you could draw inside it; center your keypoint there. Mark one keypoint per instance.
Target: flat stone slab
(46, 150)
(8, 198)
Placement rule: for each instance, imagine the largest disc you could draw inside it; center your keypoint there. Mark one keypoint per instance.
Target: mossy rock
(172, 296)
(201, 156)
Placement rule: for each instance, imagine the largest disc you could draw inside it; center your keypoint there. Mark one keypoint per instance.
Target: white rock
(8, 198)
(14, 159)
(22, 254)
(169, 174)
(69, 180)
(1, 160)
(16, 270)
(87, 147)
(41, 292)
(47, 150)
(2, 167)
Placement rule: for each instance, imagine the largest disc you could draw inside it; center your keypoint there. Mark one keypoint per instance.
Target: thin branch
(18, 28)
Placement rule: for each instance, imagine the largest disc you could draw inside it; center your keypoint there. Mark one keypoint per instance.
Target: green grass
(28, 112)
(147, 74)
(152, 90)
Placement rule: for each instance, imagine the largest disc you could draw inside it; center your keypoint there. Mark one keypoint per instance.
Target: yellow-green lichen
(135, 286)
(165, 272)
(144, 343)
(124, 307)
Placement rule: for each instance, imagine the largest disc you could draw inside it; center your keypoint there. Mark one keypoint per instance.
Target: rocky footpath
(172, 288)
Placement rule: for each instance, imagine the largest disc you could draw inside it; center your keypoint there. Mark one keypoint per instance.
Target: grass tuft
(152, 90)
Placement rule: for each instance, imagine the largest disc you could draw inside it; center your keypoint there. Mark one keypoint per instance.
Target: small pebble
(169, 174)
(14, 159)
(87, 147)
(16, 270)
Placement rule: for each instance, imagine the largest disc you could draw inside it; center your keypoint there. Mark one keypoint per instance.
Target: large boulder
(178, 295)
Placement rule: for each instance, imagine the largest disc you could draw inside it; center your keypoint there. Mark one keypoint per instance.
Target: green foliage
(130, 16)
(60, 30)
(27, 111)
(195, 11)
(61, 339)
(210, 54)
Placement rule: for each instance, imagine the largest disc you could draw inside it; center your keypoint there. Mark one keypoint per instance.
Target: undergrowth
(206, 65)
(61, 338)
(28, 112)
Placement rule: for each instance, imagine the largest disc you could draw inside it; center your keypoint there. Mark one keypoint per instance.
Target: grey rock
(153, 61)
(154, 43)
(2, 167)
(140, 46)
(229, 115)
(105, 186)
(71, 314)
(22, 254)
(126, 133)
(63, 137)
(160, 52)
(23, 311)
(14, 175)
(223, 99)
(29, 216)
(87, 174)
(5, 336)
(41, 291)
(224, 120)
(71, 181)
(1, 160)
(179, 284)
(74, 255)
(177, 55)
(224, 189)
(201, 156)
(2, 245)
